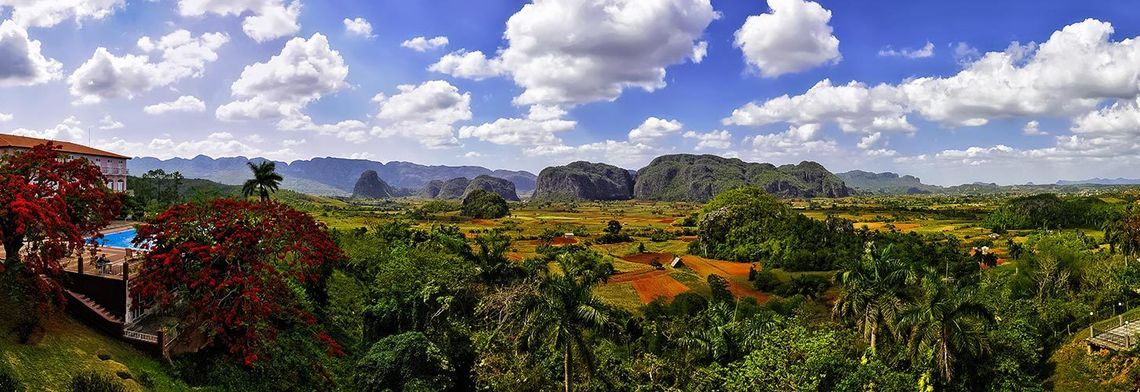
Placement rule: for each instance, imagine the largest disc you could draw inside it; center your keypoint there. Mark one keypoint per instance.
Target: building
(114, 166)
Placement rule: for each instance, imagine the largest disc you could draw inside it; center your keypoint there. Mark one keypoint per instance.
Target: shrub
(766, 281)
(95, 382)
(810, 286)
(719, 286)
(8, 382)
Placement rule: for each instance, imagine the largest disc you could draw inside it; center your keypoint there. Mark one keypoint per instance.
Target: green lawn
(69, 348)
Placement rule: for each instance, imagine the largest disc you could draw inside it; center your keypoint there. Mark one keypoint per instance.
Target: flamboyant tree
(237, 271)
(49, 203)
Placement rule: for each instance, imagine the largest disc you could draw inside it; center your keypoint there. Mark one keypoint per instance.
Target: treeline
(749, 225)
(1048, 211)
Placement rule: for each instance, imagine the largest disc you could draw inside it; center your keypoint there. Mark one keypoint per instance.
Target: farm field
(660, 227)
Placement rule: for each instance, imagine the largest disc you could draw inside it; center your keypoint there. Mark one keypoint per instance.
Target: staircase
(95, 307)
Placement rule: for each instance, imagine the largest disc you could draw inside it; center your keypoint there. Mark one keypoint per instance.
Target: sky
(952, 92)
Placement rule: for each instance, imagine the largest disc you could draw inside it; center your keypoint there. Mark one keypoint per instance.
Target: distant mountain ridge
(886, 183)
(1101, 181)
(326, 176)
(688, 177)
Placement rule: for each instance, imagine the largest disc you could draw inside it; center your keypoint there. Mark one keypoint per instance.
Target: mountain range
(886, 183)
(326, 176)
(1101, 181)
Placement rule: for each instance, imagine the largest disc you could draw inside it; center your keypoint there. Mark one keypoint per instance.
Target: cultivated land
(636, 282)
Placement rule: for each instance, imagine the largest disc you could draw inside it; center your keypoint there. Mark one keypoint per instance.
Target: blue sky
(952, 92)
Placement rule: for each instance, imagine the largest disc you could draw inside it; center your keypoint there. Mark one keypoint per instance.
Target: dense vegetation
(700, 177)
(1048, 211)
(481, 204)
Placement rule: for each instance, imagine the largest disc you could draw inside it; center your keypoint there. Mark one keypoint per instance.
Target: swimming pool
(120, 239)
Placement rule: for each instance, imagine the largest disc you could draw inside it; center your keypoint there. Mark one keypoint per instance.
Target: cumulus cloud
(5, 117)
(23, 62)
(795, 142)
(427, 112)
(654, 129)
(700, 50)
(715, 140)
(303, 72)
(266, 19)
(358, 27)
(921, 53)
(108, 123)
(568, 52)
(48, 13)
(185, 103)
(1047, 79)
(106, 76)
(1032, 128)
(530, 131)
(855, 107)
(219, 144)
(421, 44)
(468, 65)
(70, 129)
(793, 37)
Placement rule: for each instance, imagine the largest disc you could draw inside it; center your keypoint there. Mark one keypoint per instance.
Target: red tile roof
(13, 141)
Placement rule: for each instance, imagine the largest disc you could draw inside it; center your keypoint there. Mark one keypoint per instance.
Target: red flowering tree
(237, 272)
(49, 203)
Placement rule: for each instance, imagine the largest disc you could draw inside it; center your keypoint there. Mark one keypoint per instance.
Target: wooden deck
(1124, 336)
(117, 256)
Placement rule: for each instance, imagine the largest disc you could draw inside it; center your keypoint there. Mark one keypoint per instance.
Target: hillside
(886, 183)
(325, 176)
(699, 177)
(370, 186)
(584, 181)
(499, 186)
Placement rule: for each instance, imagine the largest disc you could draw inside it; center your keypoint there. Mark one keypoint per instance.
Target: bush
(810, 286)
(407, 361)
(482, 204)
(95, 382)
(766, 281)
(8, 382)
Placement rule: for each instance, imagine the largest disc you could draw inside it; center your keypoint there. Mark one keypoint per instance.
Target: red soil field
(667, 220)
(727, 269)
(564, 241)
(635, 275)
(658, 286)
(688, 238)
(645, 258)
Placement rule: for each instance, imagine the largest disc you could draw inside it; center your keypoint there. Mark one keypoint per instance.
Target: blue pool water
(120, 239)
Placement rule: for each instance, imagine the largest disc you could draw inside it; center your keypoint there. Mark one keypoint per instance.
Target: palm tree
(945, 326)
(562, 313)
(265, 180)
(875, 290)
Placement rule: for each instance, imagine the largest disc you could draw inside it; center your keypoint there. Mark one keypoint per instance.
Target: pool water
(120, 239)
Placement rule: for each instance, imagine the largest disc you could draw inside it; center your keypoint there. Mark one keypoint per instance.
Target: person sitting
(101, 263)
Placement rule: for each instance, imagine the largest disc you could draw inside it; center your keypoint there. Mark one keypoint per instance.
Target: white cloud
(5, 117)
(519, 131)
(427, 113)
(965, 54)
(794, 37)
(1032, 128)
(70, 129)
(106, 75)
(654, 129)
(716, 140)
(218, 144)
(794, 142)
(352, 131)
(185, 103)
(472, 154)
(1122, 118)
(108, 123)
(468, 65)
(303, 72)
(23, 62)
(854, 107)
(293, 142)
(359, 27)
(1050, 79)
(568, 52)
(266, 20)
(700, 50)
(48, 13)
(921, 53)
(870, 140)
(421, 44)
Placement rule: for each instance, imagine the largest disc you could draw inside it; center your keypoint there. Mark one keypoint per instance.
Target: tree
(719, 286)
(157, 190)
(483, 204)
(404, 362)
(238, 271)
(265, 180)
(1126, 235)
(613, 227)
(560, 313)
(874, 293)
(944, 327)
(49, 204)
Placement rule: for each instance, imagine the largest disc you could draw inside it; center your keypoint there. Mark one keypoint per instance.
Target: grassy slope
(69, 348)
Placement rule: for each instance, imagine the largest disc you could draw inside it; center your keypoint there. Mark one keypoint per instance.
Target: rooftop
(14, 141)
